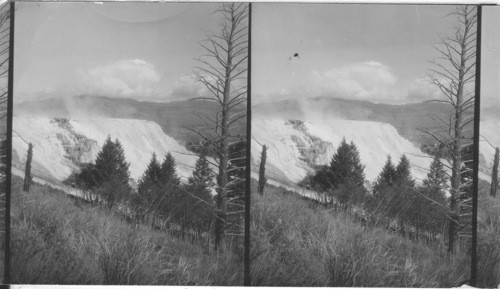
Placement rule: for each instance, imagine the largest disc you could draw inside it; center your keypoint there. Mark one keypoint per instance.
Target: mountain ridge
(173, 117)
(409, 119)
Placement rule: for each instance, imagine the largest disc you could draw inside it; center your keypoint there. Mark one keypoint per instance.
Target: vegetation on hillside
(488, 238)
(57, 239)
(396, 201)
(298, 242)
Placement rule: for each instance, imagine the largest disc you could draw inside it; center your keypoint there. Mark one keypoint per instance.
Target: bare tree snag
(222, 70)
(494, 175)
(454, 74)
(27, 170)
(262, 170)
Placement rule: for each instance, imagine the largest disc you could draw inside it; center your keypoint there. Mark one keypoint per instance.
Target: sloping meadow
(56, 242)
(296, 242)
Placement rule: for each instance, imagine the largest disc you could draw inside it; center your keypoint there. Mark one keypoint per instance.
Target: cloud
(422, 90)
(187, 87)
(126, 78)
(361, 80)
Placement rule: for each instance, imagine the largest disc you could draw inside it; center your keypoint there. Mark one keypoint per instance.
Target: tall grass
(488, 239)
(55, 242)
(295, 242)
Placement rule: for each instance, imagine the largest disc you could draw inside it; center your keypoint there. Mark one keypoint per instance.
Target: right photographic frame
(489, 144)
(363, 147)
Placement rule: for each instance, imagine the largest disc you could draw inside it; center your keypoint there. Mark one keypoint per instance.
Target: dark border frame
(247, 280)
(8, 171)
(475, 168)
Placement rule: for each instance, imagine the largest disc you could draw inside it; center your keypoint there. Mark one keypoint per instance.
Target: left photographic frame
(129, 143)
(6, 18)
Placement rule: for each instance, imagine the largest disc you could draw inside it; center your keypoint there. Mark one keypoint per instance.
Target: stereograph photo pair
(262, 144)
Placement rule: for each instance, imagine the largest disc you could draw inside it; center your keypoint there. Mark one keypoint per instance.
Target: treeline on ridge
(395, 200)
(160, 198)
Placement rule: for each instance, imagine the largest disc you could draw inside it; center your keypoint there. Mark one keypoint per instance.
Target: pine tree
(197, 199)
(345, 169)
(151, 175)
(202, 173)
(434, 201)
(340, 165)
(122, 167)
(386, 177)
(403, 173)
(357, 170)
(105, 163)
(112, 174)
(168, 171)
(436, 177)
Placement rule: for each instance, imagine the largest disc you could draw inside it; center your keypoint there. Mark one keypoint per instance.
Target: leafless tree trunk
(262, 170)
(27, 170)
(222, 70)
(494, 175)
(454, 74)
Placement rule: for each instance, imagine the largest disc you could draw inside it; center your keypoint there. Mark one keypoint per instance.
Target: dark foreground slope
(296, 242)
(55, 242)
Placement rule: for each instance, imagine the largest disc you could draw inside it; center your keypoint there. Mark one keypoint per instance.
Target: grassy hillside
(296, 242)
(55, 242)
(489, 238)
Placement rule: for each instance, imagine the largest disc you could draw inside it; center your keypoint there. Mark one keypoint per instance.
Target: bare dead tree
(223, 72)
(453, 73)
(27, 172)
(494, 174)
(262, 170)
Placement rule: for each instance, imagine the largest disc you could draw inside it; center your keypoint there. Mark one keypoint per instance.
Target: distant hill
(408, 119)
(173, 117)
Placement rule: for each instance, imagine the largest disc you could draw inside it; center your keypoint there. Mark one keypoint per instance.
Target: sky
(144, 51)
(490, 56)
(378, 53)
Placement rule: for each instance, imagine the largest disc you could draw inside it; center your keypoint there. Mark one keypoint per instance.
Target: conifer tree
(202, 173)
(168, 171)
(345, 169)
(403, 173)
(357, 170)
(112, 174)
(436, 177)
(151, 175)
(197, 199)
(105, 163)
(434, 201)
(386, 177)
(122, 166)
